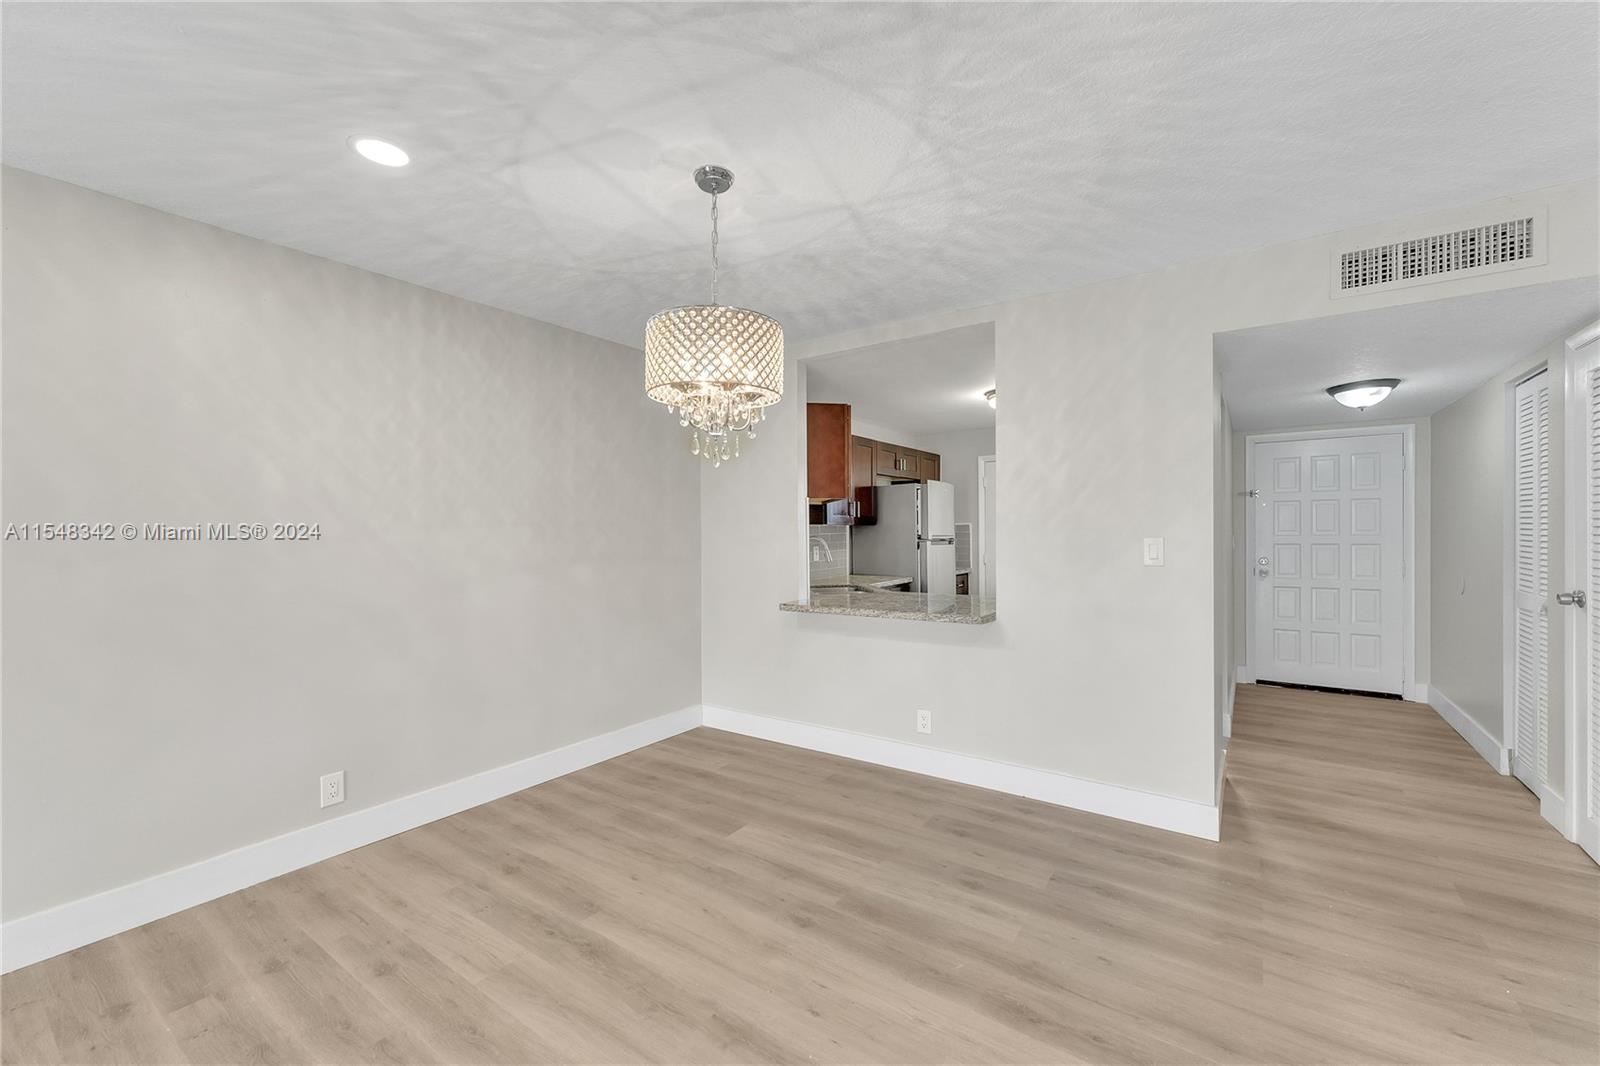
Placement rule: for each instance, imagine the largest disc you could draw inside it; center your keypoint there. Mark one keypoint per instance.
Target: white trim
(1493, 752)
(982, 565)
(1412, 687)
(35, 937)
(1222, 776)
(1115, 801)
(1553, 809)
(1584, 336)
(1227, 709)
(1242, 674)
(1572, 826)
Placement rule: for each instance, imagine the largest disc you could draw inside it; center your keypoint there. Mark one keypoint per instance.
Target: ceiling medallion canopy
(717, 367)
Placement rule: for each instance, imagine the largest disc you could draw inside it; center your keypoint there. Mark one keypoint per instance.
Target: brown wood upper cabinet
(828, 451)
(904, 464)
(863, 466)
(887, 462)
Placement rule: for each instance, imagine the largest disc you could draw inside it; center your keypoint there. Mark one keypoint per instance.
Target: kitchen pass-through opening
(901, 472)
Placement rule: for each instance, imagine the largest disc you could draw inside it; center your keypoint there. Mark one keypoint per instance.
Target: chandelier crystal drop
(717, 367)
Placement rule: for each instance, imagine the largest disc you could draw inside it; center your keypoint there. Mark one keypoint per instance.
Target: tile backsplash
(825, 571)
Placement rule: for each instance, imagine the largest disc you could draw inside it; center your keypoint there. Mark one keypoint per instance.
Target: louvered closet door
(1585, 435)
(1531, 583)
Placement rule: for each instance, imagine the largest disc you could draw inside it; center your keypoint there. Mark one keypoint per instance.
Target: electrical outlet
(1155, 551)
(332, 788)
(924, 721)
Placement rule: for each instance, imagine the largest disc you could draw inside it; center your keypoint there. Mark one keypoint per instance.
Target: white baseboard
(1115, 801)
(1418, 693)
(1227, 710)
(1243, 675)
(47, 933)
(1222, 774)
(1553, 809)
(1485, 745)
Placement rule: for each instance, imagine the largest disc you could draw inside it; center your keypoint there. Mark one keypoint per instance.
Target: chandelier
(717, 367)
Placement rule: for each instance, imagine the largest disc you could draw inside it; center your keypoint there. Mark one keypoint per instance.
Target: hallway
(1425, 896)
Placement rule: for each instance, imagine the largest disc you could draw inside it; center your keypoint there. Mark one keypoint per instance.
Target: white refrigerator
(915, 537)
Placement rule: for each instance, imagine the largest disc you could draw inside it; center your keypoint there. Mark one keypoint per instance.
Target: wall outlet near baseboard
(332, 790)
(924, 721)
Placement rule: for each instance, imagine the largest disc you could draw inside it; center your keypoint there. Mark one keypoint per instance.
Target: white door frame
(1508, 579)
(1576, 576)
(984, 566)
(1411, 689)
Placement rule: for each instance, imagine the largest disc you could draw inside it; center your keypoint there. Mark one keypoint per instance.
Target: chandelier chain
(713, 247)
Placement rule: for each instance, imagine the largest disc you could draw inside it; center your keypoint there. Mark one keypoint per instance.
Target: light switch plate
(1155, 551)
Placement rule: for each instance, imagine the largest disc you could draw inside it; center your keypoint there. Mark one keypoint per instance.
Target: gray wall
(1097, 666)
(509, 558)
(1470, 495)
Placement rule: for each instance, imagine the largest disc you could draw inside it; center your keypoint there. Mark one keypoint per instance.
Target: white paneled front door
(1530, 577)
(1328, 568)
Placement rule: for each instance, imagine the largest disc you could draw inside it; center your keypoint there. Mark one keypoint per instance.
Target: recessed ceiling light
(381, 152)
(989, 395)
(1363, 394)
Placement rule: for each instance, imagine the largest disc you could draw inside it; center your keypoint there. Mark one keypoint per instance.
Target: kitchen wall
(1097, 667)
(878, 431)
(504, 519)
(1471, 472)
(828, 548)
(958, 453)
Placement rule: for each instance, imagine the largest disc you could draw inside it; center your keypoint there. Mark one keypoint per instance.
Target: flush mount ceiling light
(989, 395)
(718, 367)
(1363, 394)
(381, 152)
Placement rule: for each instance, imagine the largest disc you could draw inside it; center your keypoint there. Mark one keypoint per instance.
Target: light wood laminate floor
(1379, 895)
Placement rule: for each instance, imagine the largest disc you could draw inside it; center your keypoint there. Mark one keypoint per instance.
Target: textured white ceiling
(1274, 377)
(892, 159)
(928, 384)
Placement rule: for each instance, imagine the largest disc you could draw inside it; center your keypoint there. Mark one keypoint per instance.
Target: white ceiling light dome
(1364, 394)
(381, 152)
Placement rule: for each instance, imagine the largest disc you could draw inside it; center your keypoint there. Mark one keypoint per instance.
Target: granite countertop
(915, 606)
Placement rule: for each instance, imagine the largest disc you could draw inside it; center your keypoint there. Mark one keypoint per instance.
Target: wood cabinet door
(930, 467)
(910, 463)
(888, 459)
(863, 467)
(828, 451)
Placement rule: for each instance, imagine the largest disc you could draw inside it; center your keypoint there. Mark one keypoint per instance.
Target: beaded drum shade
(716, 366)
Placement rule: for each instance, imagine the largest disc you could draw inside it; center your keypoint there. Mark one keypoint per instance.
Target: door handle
(1261, 567)
(1575, 598)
